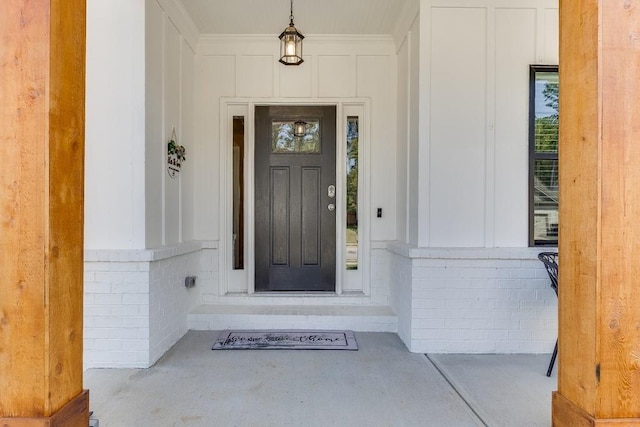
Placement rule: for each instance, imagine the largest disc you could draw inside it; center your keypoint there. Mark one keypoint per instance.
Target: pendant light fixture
(291, 43)
(300, 128)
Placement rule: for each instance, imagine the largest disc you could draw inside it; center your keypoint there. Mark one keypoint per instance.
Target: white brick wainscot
(136, 302)
(472, 300)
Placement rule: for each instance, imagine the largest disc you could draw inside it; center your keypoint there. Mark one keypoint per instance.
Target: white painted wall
(448, 122)
(140, 77)
(409, 168)
(337, 69)
(472, 188)
(115, 125)
(170, 102)
(402, 141)
(136, 304)
(458, 112)
(334, 68)
(140, 85)
(464, 279)
(474, 300)
(414, 169)
(188, 136)
(169, 301)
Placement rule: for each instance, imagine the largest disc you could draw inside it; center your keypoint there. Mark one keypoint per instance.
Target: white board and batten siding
(463, 276)
(339, 70)
(446, 129)
(139, 231)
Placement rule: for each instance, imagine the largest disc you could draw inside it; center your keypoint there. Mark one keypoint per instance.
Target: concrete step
(351, 317)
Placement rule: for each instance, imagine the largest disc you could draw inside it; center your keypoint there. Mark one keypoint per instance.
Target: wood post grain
(599, 282)
(42, 78)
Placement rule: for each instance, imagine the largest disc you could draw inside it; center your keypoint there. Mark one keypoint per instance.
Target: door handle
(331, 207)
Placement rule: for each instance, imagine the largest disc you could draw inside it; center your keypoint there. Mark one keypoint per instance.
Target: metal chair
(550, 261)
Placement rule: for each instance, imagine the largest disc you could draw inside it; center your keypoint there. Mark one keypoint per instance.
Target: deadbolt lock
(331, 191)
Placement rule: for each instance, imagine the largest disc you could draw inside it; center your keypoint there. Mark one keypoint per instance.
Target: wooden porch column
(599, 287)
(42, 75)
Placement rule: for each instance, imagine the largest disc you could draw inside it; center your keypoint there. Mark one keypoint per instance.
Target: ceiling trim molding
(249, 44)
(406, 18)
(309, 38)
(181, 18)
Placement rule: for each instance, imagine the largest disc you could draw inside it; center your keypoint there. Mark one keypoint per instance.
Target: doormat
(285, 340)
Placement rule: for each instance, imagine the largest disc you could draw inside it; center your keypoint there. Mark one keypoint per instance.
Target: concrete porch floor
(381, 384)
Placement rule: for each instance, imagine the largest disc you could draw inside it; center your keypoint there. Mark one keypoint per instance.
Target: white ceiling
(310, 16)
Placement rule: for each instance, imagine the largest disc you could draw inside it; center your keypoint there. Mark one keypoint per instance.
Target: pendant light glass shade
(300, 128)
(291, 44)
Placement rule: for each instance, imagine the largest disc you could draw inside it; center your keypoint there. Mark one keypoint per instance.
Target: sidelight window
(543, 155)
(352, 193)
(238, 192)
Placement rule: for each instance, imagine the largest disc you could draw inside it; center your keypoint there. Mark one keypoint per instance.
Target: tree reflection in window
(352, 193)
(543, 133)
(283, 140)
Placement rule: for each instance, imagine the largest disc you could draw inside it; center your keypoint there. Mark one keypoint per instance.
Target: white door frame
(348, 282)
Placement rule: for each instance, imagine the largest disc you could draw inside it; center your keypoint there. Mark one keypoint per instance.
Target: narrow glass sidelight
(352, 193)
(238, 192)
(543, 166)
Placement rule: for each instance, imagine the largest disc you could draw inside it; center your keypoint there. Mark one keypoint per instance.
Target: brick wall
(170, 302)
(401, 294)
(136, 304)
(116, 313)
(209, 276)
(474, 300)
(446, 300)
(380, 273)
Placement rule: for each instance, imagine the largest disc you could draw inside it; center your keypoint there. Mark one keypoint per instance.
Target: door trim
(238, 282)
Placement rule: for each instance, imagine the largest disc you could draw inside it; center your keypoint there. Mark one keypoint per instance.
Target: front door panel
(294, 204)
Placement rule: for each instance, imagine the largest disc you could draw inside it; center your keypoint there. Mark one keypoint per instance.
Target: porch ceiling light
(300, 128)
(291, 44)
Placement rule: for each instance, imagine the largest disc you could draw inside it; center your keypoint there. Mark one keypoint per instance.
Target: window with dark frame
(238, 192)
(543, 155)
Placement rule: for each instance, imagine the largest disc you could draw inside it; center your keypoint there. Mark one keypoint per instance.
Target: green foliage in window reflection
(544, 226)
(352, 193)
(546, 136)
(546, 126)
(352, 165)
(283, 140)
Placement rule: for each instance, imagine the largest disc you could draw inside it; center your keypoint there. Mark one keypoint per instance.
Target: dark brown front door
(295, 199)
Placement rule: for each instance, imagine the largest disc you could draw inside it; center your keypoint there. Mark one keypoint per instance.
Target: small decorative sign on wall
(175, 155)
